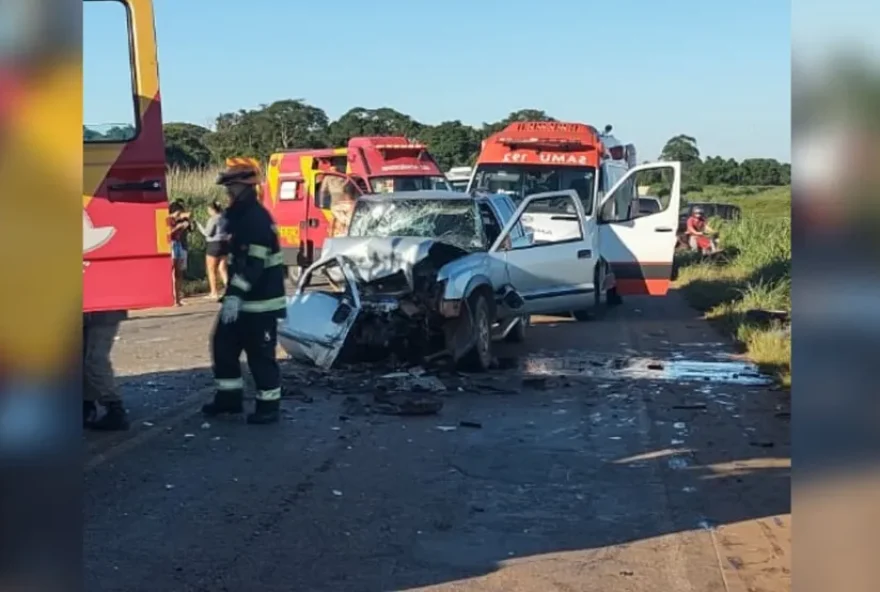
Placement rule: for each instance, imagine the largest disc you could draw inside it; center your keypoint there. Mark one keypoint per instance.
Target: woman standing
(179, 220)
(215, 247)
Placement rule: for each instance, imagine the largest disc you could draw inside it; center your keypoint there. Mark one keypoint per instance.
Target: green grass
(760, 201)
(756, 275)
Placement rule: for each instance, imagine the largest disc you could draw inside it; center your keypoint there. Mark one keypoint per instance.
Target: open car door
(318, 322)
(640, 248)
(552, 271)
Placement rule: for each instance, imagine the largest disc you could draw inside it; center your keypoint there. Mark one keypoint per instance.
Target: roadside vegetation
(747, 292)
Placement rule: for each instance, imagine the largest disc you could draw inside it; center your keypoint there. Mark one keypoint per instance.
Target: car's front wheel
(479, 358)
(600, 297)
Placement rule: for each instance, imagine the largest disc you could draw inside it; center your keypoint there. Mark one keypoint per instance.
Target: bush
(756, 277)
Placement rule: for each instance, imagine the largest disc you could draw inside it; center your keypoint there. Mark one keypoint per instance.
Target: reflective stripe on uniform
(240, 283)
(272, 304)
(258, 251)
(264, 254)
(269, 395)
(229, 384)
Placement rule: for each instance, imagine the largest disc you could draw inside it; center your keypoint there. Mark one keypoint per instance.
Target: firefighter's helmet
(245, 171)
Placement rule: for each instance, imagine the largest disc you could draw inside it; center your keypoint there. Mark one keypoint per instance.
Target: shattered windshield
(450, 221)
(409, 183)
(518, 181)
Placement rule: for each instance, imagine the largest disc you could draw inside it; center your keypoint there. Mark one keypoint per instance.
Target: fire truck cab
(294, 179)
(632, 253)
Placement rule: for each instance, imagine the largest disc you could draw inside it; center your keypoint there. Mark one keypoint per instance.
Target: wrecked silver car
(432, 274)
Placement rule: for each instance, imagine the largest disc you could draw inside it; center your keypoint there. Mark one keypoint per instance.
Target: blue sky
(718, 70)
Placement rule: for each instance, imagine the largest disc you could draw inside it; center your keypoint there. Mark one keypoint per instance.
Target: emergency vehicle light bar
(554, 142)
(399, 146)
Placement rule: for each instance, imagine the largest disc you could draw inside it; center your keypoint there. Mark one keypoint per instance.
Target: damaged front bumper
(385, 300)
(318, 322)
(354, 321)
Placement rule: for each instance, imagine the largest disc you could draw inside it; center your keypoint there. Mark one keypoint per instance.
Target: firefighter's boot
(115, 419)
(225, 402)
(265, 412)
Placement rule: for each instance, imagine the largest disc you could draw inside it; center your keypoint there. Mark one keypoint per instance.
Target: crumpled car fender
(460, 277)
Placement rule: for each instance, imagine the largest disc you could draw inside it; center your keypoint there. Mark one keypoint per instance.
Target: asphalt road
(567, 469)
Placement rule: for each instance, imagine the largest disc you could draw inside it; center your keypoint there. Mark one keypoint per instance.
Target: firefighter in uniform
(253, 302)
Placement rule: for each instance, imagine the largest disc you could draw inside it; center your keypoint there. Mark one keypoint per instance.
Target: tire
(613, 298)
(479, 359)
(600, 298)
(518, 333)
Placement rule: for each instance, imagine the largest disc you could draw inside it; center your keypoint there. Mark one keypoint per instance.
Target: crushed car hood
(372, 258)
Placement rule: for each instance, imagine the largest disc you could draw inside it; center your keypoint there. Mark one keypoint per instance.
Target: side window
(491, 226)
(331, 189)
(625, 204)
(109, 92)
(625, 198)
(551, 228)
(507, 208)
(288, 191)
(322, 194)
(611, 210)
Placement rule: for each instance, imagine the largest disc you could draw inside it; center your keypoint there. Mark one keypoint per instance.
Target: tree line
(294, 124)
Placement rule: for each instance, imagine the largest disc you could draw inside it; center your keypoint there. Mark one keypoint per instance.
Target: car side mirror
(523, 241)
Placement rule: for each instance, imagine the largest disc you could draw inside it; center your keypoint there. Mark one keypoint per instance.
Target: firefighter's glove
(229, 309)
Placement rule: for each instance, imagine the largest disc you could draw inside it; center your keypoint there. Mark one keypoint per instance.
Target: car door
(551, 273)
(640, 248)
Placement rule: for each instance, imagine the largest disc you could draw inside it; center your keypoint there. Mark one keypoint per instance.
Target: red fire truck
(373, 164)
(126, 249)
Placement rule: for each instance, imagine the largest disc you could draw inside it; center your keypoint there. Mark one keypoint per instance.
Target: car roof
(435, 194)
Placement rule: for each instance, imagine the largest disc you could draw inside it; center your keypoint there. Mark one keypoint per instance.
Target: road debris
(446, 428)
(396, 403)
(470, 424)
